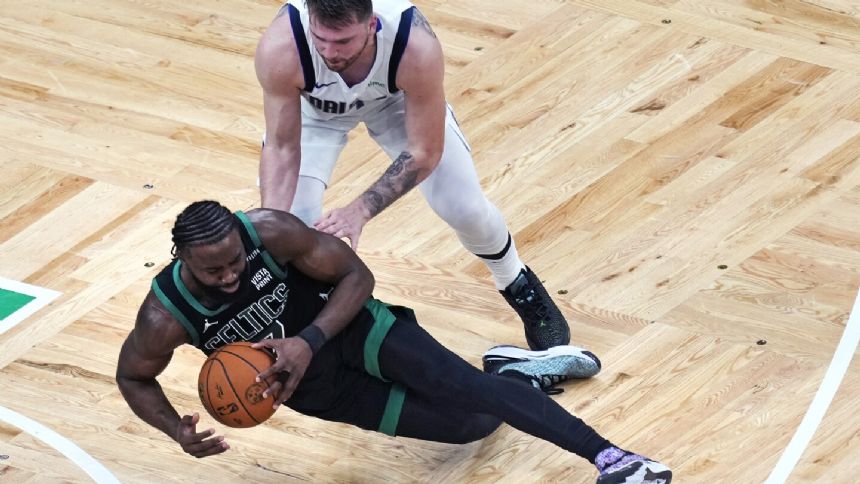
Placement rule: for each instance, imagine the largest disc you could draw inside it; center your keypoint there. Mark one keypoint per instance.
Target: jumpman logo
(207, 324)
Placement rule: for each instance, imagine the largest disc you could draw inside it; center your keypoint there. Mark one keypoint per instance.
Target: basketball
(228, 389)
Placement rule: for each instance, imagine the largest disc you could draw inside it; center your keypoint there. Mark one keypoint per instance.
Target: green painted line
(11, 301)
(19, 300)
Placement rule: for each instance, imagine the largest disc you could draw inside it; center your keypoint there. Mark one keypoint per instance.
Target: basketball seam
(208, 402)
(241, 358)
(230, 381)
(232, 387)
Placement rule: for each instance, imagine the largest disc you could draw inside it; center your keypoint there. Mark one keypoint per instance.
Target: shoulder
(422, 60)
(282, 233)
(270, 221)
(423, 43)
(156, 330)
(276, 59)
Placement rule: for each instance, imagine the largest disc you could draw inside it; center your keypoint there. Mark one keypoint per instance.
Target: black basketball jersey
(279, 303)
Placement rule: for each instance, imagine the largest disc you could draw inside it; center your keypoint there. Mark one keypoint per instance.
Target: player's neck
(360, 69)
(194, 287)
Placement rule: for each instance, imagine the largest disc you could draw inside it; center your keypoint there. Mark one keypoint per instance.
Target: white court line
(98, 472)
(43, 298)
(832, 379)
(74, 453)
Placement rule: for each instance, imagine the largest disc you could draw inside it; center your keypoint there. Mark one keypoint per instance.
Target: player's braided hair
(337, 13)
(201, 223)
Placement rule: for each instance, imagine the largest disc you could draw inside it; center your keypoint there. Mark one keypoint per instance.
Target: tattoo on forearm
(398, 179)
(419, 20)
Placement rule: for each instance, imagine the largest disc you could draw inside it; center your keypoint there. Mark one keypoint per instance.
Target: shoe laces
(534, 303)
(547, 383)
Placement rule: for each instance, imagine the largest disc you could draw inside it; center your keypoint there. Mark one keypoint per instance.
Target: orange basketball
(228, 389)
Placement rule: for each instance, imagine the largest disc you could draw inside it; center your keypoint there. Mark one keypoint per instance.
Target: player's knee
(477, 427)
(307, 203)
(466, 214)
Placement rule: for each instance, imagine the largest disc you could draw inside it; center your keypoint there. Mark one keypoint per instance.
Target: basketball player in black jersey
(263, 276)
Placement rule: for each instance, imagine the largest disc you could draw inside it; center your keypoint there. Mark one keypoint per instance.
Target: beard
(341, 65)
(216, 294)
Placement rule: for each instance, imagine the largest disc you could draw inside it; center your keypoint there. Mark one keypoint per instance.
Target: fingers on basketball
(228, 388)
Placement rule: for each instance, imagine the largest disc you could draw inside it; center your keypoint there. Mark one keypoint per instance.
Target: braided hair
(201, 223)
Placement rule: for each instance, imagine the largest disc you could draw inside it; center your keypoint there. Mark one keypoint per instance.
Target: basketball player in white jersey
(325, 66)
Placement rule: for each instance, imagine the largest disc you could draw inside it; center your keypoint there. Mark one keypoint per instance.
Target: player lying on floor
(264, 276)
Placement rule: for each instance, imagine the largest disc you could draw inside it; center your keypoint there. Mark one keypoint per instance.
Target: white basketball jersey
(326, 95)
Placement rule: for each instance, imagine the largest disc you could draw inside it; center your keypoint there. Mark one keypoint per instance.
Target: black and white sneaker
(636, 471)
(544, 324)
(543, 369)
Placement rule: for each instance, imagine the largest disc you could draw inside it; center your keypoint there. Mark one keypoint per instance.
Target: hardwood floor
(684, 175)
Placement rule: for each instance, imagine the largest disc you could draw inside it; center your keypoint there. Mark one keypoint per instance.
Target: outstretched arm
(420, 76)
(280, 75)
(145, 354)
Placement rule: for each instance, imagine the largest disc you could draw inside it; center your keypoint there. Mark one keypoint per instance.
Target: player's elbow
(131, 386)
(124, 385)
(368, 281)
(428, 158)
(124, 378)
(283, 156)
(123, 381)
(131, 370)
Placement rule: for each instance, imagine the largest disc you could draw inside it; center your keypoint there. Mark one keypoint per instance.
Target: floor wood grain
(684, 175)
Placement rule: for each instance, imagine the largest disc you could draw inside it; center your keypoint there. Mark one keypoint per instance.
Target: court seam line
(78, 456)
(845, 351)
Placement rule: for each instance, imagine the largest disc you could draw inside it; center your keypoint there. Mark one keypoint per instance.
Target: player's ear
(185, 255)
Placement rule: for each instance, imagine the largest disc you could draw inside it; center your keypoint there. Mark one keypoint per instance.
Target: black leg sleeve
(427, 419)
(411, 356)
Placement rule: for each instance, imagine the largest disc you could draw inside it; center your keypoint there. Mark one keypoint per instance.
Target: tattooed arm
(420, 77)
(398, 179)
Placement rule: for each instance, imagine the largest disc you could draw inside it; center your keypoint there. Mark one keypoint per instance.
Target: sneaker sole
(575, 367)
(639, 473)
(513, 352)
(522, 360)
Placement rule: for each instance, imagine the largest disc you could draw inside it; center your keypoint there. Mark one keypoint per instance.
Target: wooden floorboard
(684, 175)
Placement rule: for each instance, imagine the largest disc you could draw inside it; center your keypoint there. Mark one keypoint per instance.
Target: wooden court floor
(683, 174)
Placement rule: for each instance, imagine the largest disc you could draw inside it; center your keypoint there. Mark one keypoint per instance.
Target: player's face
(341, 46)
(220, 269)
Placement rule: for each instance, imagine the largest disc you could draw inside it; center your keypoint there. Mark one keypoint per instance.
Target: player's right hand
(293, 357)
(201, 444)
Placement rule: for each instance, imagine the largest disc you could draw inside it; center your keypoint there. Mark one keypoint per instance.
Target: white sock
(504, 263)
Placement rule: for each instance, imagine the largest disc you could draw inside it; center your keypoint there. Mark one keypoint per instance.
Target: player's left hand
(293, 357)
(344, 222)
